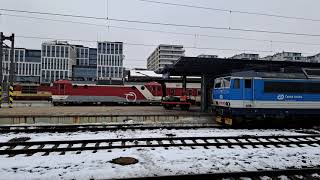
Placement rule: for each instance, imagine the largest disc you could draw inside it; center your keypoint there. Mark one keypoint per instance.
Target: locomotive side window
(247, 83)
(236, 83)
(291, 87)
(226, 83)
(199, 92)
(172, 92)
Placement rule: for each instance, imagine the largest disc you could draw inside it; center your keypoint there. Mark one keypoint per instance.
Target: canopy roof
(195, 66)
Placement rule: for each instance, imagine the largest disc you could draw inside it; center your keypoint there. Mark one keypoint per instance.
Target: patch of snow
(153, 161)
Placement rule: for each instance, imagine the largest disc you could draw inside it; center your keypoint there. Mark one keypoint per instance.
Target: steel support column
(184, 85)
(204, 93)
(1, 71)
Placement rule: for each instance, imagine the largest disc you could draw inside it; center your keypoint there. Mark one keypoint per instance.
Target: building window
(44, 50)
(53, 49)
(58, 50)
(62, 51)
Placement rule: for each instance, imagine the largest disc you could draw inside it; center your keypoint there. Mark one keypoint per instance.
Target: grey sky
(136, 10)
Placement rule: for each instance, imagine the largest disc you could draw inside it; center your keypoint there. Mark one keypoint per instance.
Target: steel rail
(10, 148)
(96, 127)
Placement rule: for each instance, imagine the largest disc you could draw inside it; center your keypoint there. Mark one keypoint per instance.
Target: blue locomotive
(260, 95)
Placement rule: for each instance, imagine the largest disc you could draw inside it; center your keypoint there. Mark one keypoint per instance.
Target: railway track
(115, 127)
(294, 174)
(98, 127)
(47, 147)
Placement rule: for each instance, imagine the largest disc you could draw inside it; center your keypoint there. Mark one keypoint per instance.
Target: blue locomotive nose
(261, 95)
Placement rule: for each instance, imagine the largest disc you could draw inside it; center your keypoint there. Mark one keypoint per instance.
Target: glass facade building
(84, 73)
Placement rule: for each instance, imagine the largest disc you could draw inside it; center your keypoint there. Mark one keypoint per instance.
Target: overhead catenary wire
(145, 45)
(160, 31)
(163, 24)
(231, 10)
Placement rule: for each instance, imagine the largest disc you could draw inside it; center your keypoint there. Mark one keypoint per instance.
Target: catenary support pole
(11, 72)
(1, 71)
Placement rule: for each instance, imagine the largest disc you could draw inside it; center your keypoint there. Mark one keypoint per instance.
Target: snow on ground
(156, 161)
(145, 133)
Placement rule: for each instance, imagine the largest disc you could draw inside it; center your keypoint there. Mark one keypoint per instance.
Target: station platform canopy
(209, 68)
(195, 66)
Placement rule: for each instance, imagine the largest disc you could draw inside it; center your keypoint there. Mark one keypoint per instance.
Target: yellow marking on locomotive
(224, 120)
(219, 119)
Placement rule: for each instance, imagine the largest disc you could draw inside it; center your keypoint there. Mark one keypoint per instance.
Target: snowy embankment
(157, 161)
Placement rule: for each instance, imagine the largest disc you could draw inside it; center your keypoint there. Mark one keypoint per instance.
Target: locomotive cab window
(247, 83)
(217, 83)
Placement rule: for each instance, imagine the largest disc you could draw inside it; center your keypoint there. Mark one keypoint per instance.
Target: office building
(314, 58)
(27, 65)
(288, 56)
(164, 55)
(57, 59)
(110, 61)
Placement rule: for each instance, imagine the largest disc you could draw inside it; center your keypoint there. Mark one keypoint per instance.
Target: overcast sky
(136, 10)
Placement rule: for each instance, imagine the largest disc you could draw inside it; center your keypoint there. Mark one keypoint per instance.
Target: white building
(164, 55)
(110, 61)
(57, 59)
(314, 58)
(27, 64)
(288, 56)
(246, 56)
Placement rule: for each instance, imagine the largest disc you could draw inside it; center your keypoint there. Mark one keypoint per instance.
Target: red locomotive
(65, 92)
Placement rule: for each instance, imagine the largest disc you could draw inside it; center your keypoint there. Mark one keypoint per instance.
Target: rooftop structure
(246, 56)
